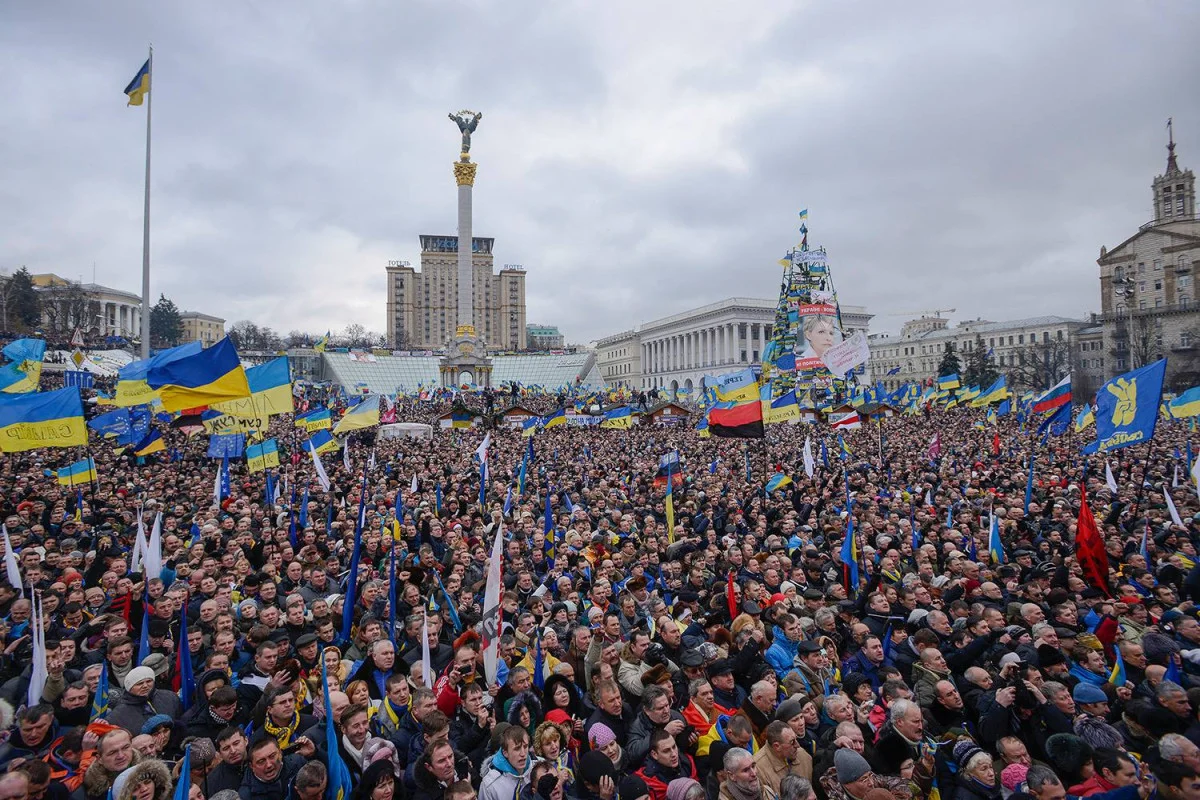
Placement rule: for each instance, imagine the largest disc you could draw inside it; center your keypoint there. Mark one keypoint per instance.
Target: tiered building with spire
(1148, 294)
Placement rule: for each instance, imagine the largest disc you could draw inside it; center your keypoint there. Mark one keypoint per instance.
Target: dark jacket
(637, 743)
(254, 789)
(131, 712)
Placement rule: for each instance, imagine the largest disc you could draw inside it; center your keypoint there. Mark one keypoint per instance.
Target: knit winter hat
(1013, 776)
(601, 736)
(631, 788)
(964, 751)
(850, 765)
(594, 765)
(136, 676)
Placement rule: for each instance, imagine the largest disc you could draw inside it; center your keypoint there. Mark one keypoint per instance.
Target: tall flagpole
(146, 221)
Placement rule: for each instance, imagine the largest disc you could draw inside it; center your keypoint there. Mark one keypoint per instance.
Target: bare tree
(1040, 365)
(66, 307)
(1145, 340)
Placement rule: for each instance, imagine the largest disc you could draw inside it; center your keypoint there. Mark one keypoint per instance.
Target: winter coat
(131, 712)
(157, 772)
(97, 780)
(501, 781)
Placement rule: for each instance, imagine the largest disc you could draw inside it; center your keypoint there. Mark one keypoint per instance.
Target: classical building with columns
(673, 353)
(95, 309)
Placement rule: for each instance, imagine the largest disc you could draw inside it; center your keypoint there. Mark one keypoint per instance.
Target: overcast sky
(639, 159)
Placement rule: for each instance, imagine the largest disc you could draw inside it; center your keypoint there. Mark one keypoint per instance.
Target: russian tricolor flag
(1057, 396)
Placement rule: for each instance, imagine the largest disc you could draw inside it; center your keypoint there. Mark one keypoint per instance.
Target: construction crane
(936, 312)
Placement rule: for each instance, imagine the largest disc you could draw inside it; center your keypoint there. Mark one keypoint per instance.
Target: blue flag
(548, 516)
(186, 678)
(339, 776)
(100, 701)
(1029, 485)
(352, 579)
(144, 641)
(1127, 407)
(392, 592)
(183, 789)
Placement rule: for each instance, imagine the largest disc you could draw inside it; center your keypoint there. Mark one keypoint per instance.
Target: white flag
(426, 661)
(319, 467)
(1196, 475)
(139, 543)
(482, 451)
(1175, 479)
(152, 557)
(371, 461)
(1171, 507)
(809, 464)
(1109, 479)
(346, 456)
(10, 564)
(217, 489)
(413, 490)
(37, 630)
(841, 358)
(491, 610)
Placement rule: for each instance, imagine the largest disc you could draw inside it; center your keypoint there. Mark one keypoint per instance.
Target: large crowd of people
(736, 657)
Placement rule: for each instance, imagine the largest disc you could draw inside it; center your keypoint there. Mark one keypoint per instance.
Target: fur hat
(1068, 753)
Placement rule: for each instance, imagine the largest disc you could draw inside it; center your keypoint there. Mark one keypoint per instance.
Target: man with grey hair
(793, 787)
(1180, 749)
(900, 738)
(741, 777)
(759, 708)
(1173, 698)
(1043, 784)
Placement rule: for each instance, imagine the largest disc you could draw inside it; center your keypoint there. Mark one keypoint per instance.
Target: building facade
(673, 353)
(543, 337)
(619, 359)
(422, 310)
(203, 328)
(98, 311)
(1027, 351)
(1148, 299)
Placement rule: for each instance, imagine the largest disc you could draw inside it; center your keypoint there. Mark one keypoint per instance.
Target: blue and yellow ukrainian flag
(461, 419)
(845, 451)
(139, 86)
(315, 420)
(995, 393)
(1187, 404)
(737, 387)
(24, 372)
(702, 427)
(1087, 416)
(1117, 676)
(948, 381)
(322, 441)
(80, 472)
(322, 343)
(777, 481)
(207, 377)
(557, 418)
(262, 456)
(618, 418)
(153, 443)
(270, 392)
(530, 426)
(783, 408)
(42, 419)
(363, 415)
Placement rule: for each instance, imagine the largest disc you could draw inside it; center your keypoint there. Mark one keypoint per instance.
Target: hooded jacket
(97, 780)
(131, 712)
(501, 781)
(153, 769)
(781, 655)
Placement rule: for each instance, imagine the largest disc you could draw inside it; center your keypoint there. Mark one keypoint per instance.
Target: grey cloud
(639, 160)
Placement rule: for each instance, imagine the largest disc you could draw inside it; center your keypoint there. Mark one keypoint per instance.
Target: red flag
(995, 444)
(1089, 547)
(731, 597)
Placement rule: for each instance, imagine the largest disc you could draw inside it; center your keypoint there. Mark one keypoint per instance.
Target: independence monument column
(466, 360)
